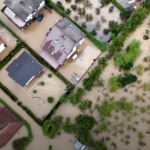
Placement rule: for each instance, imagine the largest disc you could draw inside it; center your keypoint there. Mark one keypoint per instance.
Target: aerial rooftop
(24, 68)
(23, 8)
(60, 42)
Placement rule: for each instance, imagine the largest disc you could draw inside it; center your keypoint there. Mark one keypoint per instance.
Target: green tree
(20, 144)
(97, 11)
(113, 25)
(93, 32)
(74, 7)
(83, 25)
(50, 99)
(68, 11)
(49, 129)
(106, 31)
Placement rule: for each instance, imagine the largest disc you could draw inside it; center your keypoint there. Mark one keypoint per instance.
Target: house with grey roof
(23, 12)
(61, 42)
(24, 69)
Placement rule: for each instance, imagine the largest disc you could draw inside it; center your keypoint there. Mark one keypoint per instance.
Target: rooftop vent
(66, 21)
(52, 53)
(17, 65)
(56, 41)
(70, 25)
(64, 37)
(62, 47)
(74, 29)
(32, 61)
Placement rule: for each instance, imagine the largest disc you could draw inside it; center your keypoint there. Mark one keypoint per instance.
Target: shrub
(89, 17)
(50, 99)
(49, 75)
(20, 144)
(106, 31)
(49, 129)
(115, 83)
(146, 4)
(126, 60)
(42, 83)
(113, 25)
(97, 11)
(93, 32)
(76, 97)
(83, 25)
(34, 91)
(50, 147)
(63, 98)
(74, 7)
(111, 9)
(113, 35)
(68, 11)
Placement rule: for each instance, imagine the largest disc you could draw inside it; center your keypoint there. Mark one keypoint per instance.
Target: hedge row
(8, 92)
(11, 31)
(10, 55)
(25, 123)
(99, 44)
(118, 5)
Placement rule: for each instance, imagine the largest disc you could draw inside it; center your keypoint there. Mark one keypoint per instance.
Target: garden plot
(9, 40)
(122, 129)
(95, 17)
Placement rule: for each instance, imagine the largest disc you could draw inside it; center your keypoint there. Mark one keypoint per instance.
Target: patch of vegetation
(50, 129)
(50, 147)
(93, 32)
(49, 75)
(139, 69)
(126, 59)
(42, 83)
(76, 97)
(34, 91)
(50, 99)
(85, 104)
(63, 98)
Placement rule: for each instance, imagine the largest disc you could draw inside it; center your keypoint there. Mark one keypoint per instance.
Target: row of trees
(88, 83)
(130, 26)
(119, 81)
(126, 59)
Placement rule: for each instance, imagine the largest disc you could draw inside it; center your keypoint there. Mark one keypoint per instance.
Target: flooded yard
(123, 129)
(7, 39)
(53, 87)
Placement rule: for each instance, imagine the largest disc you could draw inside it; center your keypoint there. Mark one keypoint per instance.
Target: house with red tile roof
(9, 125)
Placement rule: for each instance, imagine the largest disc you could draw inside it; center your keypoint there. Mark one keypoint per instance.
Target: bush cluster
(126, 59)
(119, 81)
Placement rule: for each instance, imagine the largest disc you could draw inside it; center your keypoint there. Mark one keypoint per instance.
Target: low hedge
(99, 44)
(25, 123)
(10, 55)
(8, 92)
(118, 5)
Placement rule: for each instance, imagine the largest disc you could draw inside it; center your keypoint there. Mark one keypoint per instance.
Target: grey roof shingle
(22, 69)
(22, 8)
(70, 30)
